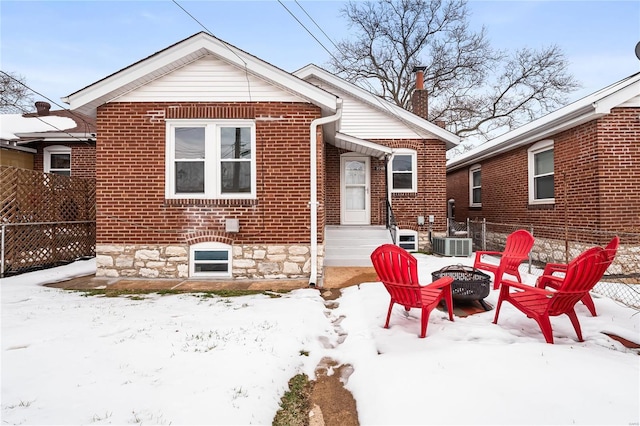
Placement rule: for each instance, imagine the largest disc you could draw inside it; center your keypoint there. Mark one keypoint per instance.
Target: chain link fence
(621, 281)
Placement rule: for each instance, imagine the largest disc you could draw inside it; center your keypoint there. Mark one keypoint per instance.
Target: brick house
(58, 141)
(213, 163)
(576, 167)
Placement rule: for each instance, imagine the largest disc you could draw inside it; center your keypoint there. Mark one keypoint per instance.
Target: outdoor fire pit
(469, 284)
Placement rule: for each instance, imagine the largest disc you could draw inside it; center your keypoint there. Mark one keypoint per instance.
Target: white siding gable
(208, 79)
(632, 103)
(364, 121)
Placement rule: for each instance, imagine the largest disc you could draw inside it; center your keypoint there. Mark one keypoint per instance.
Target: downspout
(313, 203)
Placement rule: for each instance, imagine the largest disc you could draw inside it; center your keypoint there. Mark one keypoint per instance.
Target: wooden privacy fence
(45, 219)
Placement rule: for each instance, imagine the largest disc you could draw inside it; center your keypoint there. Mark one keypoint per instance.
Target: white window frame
(414, 170)
(55, 149)
(473, 169)
(535, 149)
(212, 160)
(210, 246)
(409, 233)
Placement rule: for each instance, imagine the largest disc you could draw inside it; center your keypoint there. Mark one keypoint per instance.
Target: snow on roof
(13, 124)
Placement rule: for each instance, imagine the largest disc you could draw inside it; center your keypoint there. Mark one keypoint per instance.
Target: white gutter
(313, 203)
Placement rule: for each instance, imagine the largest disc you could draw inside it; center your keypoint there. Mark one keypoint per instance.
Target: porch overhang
(361, 146)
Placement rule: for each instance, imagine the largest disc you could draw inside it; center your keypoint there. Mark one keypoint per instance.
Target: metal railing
(457, 229)
(392, 225)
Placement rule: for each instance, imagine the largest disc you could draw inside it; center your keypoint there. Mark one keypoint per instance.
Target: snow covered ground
(190, 359)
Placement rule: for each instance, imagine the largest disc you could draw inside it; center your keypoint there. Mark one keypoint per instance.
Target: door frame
(367, 212)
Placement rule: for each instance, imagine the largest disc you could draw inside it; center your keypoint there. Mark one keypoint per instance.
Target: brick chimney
(420, 99)
(43, 107)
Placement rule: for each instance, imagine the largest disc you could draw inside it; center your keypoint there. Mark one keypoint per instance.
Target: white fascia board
(619, 97)
(264, 70)
(196, 46)
(13, 146)
(529, 133)
(589, 108)
(377, 102)
(108, 87)
(51, 136)
(380, 150)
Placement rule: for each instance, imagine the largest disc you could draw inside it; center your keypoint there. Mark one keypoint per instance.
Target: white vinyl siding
(209, 80)
(364, 121)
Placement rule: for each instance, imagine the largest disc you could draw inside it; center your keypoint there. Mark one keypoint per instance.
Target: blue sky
(61, 47)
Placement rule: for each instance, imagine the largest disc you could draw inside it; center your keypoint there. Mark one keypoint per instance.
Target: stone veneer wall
(249, 261)
(547, 250)
(424, 244)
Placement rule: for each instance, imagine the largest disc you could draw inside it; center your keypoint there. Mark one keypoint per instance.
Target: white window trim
(472, 169)
(532, 151)
(55, 149)
(414, 170)
(210, 246)
(414, 234)
(212, 159)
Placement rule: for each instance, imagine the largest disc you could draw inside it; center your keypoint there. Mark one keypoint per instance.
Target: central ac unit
(452, 246)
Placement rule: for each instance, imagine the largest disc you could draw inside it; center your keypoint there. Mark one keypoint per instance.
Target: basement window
(210, 260)
(408, 239)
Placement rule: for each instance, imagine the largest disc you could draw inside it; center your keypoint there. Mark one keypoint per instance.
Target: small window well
(408, 240)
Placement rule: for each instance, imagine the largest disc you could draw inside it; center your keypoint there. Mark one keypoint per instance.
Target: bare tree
(15, 96)
(472, 87)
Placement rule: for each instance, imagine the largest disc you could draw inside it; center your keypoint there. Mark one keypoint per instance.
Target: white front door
(355, 202)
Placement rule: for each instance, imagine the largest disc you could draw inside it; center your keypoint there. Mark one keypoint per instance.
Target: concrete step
(353, 245)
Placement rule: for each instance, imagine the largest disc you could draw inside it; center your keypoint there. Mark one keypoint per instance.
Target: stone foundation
(546, 250)
(249, 261)
(424, 243)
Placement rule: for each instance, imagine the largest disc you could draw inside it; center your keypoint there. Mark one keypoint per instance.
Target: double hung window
(210, 159)
(404, 171)
(541, 173)
(475, 186)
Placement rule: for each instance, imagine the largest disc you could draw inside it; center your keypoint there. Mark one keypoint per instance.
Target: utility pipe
(313, 203)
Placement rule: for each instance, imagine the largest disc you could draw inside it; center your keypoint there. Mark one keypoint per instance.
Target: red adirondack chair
(582, 274)
(555, 281)
(516, 249)
(398, 271)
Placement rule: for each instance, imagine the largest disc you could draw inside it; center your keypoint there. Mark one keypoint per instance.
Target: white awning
(361, 146)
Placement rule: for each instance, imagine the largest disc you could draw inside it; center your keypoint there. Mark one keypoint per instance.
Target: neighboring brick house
(213, 163)
(578, 168)
(59, 141)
